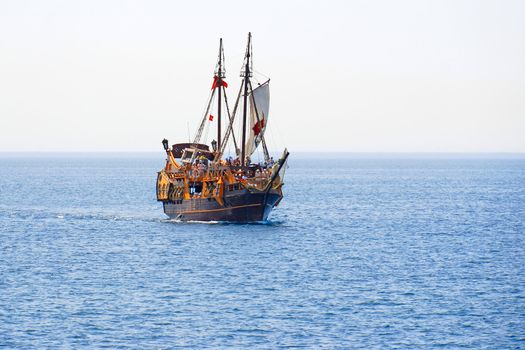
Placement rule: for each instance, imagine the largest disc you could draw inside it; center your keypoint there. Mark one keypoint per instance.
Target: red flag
(210, 118)
(217, 82)
(258, 127)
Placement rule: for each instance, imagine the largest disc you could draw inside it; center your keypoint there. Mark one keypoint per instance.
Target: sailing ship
(201, 184)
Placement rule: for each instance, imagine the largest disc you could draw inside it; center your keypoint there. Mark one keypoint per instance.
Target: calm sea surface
(364, 252)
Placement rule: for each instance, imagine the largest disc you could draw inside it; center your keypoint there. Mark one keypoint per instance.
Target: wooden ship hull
(244, 206)
(218, 194)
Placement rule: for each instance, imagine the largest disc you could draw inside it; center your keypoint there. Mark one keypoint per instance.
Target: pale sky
(356, 76)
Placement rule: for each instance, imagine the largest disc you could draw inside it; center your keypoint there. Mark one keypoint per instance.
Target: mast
(231, 117)
(245, 107)
(219, 81)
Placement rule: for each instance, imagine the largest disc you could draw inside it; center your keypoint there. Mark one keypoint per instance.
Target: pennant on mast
(218, 82)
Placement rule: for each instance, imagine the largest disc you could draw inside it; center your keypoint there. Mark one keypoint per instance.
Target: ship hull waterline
(242, 207)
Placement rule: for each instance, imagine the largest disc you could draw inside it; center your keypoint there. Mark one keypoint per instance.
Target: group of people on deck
(199, 167)
(237, 162)
(262, 170)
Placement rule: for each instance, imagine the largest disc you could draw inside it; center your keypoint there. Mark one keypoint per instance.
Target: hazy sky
(346, 75)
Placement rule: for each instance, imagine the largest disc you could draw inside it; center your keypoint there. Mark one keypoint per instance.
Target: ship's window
(197, 187)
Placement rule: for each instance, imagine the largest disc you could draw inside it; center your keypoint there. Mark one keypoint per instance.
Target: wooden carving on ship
(201, 184)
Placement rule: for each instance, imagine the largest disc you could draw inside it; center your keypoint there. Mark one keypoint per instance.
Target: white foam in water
(178, 221)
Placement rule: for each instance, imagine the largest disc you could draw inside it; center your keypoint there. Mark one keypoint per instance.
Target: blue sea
(366, 251)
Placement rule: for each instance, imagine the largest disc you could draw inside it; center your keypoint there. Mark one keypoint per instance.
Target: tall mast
(245, 107)
(219, 84)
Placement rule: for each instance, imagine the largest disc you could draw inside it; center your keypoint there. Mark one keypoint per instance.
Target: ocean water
(365, 251)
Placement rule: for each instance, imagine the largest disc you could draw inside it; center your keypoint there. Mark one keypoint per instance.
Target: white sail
(258, 116)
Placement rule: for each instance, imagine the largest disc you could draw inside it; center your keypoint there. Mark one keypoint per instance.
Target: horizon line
(128, 153)
(273, 151)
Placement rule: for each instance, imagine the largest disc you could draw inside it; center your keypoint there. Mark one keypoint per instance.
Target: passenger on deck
(194, 171)
(201, 167)
(238, 174)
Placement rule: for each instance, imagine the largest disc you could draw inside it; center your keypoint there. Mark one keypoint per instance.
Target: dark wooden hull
(239, 206)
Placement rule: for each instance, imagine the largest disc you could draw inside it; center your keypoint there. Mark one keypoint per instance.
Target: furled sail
(258, 116)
